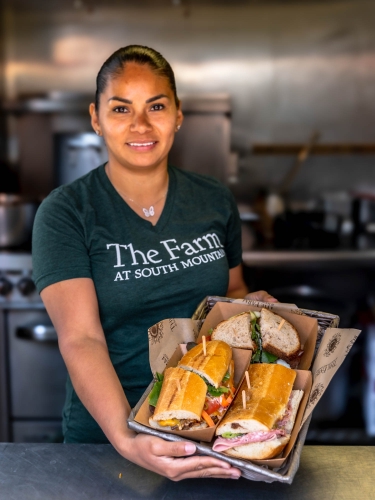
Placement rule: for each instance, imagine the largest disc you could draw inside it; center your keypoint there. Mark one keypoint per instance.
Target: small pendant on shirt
(150, 212)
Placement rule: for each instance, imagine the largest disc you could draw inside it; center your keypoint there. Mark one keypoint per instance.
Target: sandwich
(236, 331)
(180, 401)
(268, 335)
(216, 368)
(262, 428)
(197, 392)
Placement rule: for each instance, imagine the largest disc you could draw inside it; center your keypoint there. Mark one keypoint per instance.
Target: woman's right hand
(174, 459)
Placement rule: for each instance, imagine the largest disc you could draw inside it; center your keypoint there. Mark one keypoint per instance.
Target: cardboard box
(241, 360)
(306, 327)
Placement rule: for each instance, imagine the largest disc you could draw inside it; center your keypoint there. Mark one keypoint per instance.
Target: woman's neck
(142, 186)
(144, 191)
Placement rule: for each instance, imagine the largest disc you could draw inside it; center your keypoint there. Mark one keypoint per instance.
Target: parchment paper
(335, 346)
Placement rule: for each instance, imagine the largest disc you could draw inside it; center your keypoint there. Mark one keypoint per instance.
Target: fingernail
(235, 476)
(190, 448)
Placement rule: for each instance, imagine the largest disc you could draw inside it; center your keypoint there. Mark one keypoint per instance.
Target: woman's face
(137, 117)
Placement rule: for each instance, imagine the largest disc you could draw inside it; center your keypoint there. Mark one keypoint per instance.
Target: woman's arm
(237, 288)
(73, 308)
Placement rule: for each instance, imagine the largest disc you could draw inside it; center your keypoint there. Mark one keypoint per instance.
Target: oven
(32, 371)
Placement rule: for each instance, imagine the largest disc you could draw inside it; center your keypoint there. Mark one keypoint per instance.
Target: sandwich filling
(218, 399)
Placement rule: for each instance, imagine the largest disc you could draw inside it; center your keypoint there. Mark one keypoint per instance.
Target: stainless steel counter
(276, 258)
(97, 472)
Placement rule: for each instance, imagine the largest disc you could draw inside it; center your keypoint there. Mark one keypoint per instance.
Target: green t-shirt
(142, 273)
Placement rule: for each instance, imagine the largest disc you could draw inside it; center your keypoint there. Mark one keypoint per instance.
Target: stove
(17, 288)
(32, 372)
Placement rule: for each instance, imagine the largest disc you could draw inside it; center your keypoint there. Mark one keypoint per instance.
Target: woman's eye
(157, 107)
(121, 109)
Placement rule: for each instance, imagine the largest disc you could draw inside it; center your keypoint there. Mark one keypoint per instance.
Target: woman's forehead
(139, 75)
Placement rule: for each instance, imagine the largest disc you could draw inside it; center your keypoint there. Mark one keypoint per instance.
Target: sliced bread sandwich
(235, 331)
(279, 337)
(267, 334)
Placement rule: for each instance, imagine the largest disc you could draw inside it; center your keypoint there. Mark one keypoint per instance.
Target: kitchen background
(279, 103)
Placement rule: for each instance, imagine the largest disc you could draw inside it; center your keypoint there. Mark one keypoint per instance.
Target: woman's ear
(180, 117)
(94, 119)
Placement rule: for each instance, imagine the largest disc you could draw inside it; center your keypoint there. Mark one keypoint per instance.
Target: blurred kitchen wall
(2, 97)
(289, 67)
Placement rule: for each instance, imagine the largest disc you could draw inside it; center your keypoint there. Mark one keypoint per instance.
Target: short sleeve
(233, 244)
(59, 251)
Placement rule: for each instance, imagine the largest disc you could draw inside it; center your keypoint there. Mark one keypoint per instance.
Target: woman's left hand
(261, 296)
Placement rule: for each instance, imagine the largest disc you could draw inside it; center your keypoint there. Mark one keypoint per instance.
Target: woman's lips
(142, 146)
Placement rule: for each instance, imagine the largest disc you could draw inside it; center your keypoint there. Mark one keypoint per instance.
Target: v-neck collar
(130, 214)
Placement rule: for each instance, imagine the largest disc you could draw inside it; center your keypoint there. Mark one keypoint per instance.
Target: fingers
(174, 448)
(212, 472)
(176, 461)
(202, 467)
(261, 296)
(270, 298)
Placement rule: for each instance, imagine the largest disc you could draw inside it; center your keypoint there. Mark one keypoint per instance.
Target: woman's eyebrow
(121, 99)
(128, 101)
(159, 96)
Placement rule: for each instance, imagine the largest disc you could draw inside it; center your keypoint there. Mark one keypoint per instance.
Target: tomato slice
(211, 405)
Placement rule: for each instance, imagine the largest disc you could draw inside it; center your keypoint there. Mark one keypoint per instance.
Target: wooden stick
(281, 324)
(204, 344)
(247, 379)
(244, 399)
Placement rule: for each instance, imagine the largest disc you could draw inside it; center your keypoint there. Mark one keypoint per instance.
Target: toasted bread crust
(213, 366)
(266, 401)
(235, 331)
(182, 396)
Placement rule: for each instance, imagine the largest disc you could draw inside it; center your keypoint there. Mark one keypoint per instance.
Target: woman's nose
(140, 122)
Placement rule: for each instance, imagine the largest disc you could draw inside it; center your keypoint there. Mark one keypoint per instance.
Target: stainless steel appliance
(203, 143)
(77, 154)
(16, 219)
(32, 372)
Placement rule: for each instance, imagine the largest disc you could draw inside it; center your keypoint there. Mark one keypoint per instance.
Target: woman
(133, 242)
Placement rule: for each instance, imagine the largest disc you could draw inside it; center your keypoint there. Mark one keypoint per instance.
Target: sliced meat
(222, 444)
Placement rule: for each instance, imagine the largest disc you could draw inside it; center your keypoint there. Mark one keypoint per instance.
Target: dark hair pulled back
(139, 54)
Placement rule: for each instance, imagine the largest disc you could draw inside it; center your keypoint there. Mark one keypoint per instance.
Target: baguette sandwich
(268, 335)
(180, 403)
(262, 429)
(196, 393)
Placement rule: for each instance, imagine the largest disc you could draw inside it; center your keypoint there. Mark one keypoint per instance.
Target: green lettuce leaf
(155, 391)
(267, 357)
(230, 435)
(215, 393)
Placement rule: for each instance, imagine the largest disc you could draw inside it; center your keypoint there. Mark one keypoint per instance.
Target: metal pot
(16, 219)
